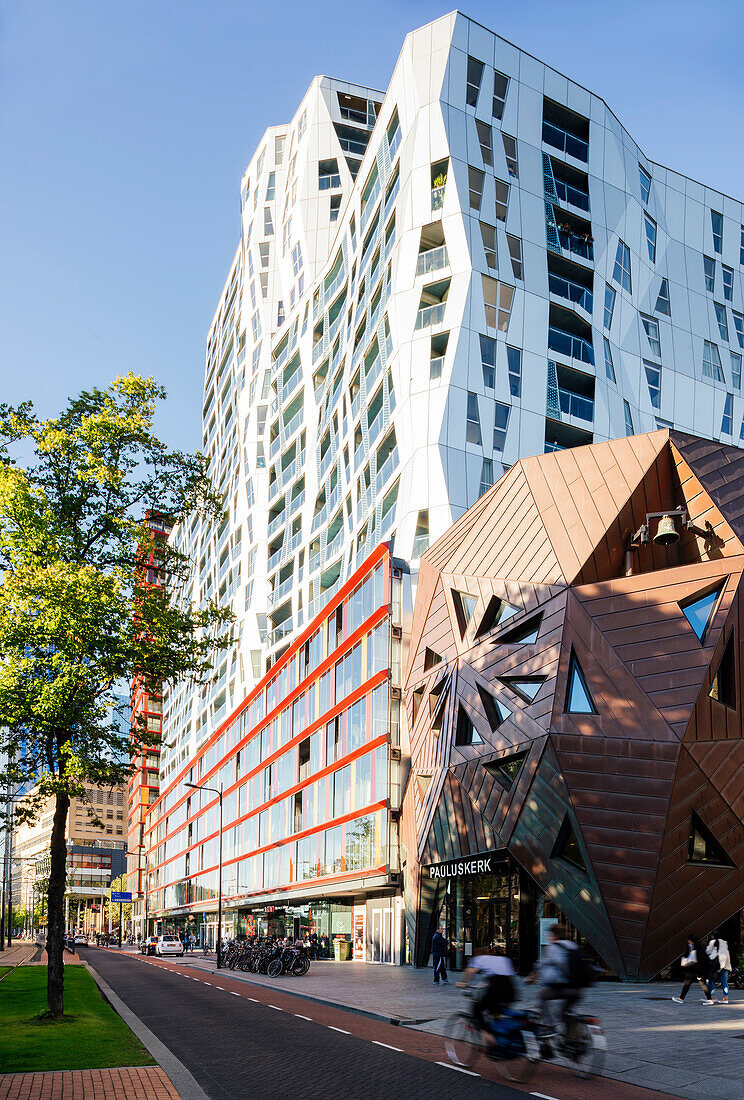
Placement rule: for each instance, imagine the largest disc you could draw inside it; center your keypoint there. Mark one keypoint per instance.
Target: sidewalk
(135, 1083)
(690, 1050)
(17, 953)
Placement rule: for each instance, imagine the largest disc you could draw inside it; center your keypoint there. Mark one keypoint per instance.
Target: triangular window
(700, 609)
(418, 695)
(578, 698)
(496, 712)
(437, 704)
(430, 659)
(423, 784)
(466, 733)
(507, 769)
(567, 846)
(702, 846)
(464, 608)
(525, 687)
(497, 612)
(524, 634)
(723, 688)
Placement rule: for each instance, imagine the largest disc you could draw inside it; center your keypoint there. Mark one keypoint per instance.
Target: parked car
(81, 938)
(149, 945)
(170, 945)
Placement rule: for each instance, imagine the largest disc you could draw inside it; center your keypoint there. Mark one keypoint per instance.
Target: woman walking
(718, 953)
(697, 968)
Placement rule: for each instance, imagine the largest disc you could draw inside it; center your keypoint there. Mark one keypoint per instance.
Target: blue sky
(125, 128)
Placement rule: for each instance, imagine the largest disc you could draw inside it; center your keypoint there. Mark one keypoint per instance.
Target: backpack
(580, 967)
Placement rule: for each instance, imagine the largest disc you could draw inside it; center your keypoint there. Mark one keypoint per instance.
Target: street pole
(215, 790)
(120, 911)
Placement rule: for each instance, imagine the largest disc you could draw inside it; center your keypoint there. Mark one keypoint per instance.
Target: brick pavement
(127, 1083)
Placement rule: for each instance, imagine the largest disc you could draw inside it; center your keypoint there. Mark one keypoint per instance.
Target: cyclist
(558, 973)
(498, 993)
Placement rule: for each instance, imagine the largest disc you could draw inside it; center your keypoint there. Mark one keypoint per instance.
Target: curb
(182, 1080)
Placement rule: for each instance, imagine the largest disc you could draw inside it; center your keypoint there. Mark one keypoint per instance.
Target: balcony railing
(430, 315)
(580, 246)
(280, 633)
(565, 343)
(327, 460)
(575, 404)
(573, 292)
(433, 260)
(329, 182)
(565, 141)
(369, 205)
(437, 197)
(393, 144)
(574, 195)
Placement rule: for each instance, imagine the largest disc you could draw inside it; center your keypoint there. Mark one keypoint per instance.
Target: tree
(78, 614)
(119, 886)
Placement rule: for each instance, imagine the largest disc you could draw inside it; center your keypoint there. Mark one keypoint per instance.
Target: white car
(169, 945)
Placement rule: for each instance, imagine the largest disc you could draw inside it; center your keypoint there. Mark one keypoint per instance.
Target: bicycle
(580, 1041)
(514, 1047)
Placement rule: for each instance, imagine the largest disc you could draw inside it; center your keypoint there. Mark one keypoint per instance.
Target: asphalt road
(235, 1046)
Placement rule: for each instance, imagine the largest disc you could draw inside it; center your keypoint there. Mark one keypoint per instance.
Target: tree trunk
(56, 907)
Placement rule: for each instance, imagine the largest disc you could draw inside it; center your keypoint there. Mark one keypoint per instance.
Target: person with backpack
(563, 972)
(439, 949)
(499, 991)
(697, 968)
(718, 953)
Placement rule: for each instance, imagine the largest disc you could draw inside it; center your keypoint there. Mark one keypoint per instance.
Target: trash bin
(342, 950)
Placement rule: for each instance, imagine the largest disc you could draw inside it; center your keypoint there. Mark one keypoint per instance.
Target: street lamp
(216, 791)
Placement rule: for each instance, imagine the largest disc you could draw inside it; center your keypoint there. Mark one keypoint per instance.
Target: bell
(666, 533)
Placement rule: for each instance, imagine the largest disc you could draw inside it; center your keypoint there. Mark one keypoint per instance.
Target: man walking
(439, 949)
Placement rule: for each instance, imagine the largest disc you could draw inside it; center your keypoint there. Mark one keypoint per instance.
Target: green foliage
(79, 614)
(90, 1035)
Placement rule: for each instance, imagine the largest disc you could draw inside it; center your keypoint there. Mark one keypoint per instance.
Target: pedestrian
(718, 952)
(697, 968)
(439, 949)
(313, 945)
(192, 941)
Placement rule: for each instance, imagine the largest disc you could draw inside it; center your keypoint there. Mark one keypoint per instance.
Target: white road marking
(233, 992)
(252, 999)
(543, 1096)
(448, 1065)
(299, 1017)
(387, 1045)
(276, 1008)
(220, 987)
(332, 1028)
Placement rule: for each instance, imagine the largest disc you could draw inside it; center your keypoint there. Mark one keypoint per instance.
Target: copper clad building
(574, 699)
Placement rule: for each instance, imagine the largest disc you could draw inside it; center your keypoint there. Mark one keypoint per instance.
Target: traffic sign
(120, 897)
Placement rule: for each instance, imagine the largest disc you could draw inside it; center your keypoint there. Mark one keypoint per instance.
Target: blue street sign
(120, 896)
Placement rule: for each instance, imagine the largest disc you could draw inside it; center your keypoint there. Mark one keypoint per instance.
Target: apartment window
(280, 314)
(271, 187)
(727, 420)
(515, 254)
(297, 259)
(712, 362)
(716, 221)
(256, 325)
(263, 252)
(472, 430)
(709, 269)
(735, 370)
(485, 139)
(328, 175)
(628, 419)
(609, 366)
(279, 149)
(722, 322)
(650, 225)
(488, 234)
(502, 199)
(663, 304)
(728, 283)
(486, 480)
(490, 299)
(514, 363)
(653, 378)
(475, 75)
(739, 326)
(263, 277)
(621, 273)
(475, 187)
(500, 424)
(651, 328)
(421, 537)
(510, 152)
(268, 223)
(500, 88)
(645, 183)
(609, 305)
(335, 207)
(488, 361)
(301, 126)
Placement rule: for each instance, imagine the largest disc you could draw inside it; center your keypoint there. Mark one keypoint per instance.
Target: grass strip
(90, 1035)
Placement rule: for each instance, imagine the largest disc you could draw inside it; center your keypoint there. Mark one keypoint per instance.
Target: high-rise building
(431, 282)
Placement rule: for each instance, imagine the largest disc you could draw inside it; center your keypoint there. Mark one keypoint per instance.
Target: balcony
(579, 245)
(393, 144)
(574, 404)
(276, 523)
(280, 633)
(565, 141)
(437, 198)
(573, 195)
(327, 460)
(574, 347)
(432, 260)
(571, 291)
(430, 315)
(281, 590)
(384, 473)
(369, 205)
(329, 182)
